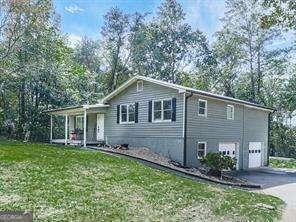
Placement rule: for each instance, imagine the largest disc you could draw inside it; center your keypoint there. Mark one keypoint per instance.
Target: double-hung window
(201, 149)
(202, 107)
(162, 110)
(127, 113)
(230, 111)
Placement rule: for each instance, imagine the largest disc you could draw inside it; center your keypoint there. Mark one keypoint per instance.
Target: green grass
(282, 163)
(60, 183)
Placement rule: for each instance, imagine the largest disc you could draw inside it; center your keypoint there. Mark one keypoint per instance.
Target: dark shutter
(136, 112)
(174, 109)
(150, 111)
(118, 113)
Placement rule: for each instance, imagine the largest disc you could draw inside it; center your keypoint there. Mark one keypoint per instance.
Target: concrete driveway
(276, 183)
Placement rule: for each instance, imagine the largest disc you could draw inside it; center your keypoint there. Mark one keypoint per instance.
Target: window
(162, 110)
(202, 107)
(201, 149)
(230, 111)
(79, 122)
(127, 113)
(131, 113)
(139, 86)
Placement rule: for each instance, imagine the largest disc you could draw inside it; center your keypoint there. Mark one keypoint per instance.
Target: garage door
(254, 154)
(227, 149)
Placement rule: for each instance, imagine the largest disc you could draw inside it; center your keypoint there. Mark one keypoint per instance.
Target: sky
(86, 17)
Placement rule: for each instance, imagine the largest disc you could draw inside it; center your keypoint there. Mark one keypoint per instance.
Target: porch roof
(76, 109)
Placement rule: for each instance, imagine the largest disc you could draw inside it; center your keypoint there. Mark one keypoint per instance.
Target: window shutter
(136, 112)
(174, 109)
(118, 113)
(150, 111)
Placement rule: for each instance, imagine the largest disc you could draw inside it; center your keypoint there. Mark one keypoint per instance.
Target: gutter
(185, 127)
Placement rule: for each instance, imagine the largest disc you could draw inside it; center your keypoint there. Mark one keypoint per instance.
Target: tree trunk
(22, 109)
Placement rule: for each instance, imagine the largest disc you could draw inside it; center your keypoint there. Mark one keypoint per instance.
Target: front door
(100, 127)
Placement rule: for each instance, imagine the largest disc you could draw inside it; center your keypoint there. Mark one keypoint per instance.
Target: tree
(115, 35)
(280, 13)
(89, 75)
(243, 20)
(37, 63)
(166, 46)
(228, 55)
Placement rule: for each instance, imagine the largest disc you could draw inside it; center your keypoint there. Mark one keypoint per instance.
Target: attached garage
(229, 149)
(255, 154)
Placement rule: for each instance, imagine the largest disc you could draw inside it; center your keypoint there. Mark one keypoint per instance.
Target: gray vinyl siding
(162, 137)
(249, 125)
(256, 130)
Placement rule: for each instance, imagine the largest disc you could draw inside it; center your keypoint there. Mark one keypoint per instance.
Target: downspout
(268, 135)
(185, 98)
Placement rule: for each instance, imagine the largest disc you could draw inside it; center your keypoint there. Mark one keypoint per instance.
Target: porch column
(50, 129)
(84, 129)
(66, 129)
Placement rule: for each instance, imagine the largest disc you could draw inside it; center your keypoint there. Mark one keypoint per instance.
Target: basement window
(201, 149)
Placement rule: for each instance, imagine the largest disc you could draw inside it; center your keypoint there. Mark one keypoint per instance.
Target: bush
(218, 162)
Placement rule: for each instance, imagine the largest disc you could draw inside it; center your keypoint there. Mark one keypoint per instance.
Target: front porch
(83, 125)
(77, 142)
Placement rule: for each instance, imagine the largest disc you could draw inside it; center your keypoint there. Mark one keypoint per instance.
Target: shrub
(218, 162)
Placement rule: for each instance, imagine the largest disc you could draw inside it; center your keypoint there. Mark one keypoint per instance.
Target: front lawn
(61, 183)
(278, 162)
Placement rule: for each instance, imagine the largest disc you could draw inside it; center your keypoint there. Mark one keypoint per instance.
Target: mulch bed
(146, 154)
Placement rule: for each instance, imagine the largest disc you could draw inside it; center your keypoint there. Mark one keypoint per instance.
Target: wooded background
(39, 71)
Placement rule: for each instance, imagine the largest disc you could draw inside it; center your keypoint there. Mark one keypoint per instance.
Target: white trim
(51, 128)
(162, 111)
(184, 104)
(201, 142)
(232, 116)
(84, 128)
(206, 107)
(66, 129)
(127, 114)
(140, 89)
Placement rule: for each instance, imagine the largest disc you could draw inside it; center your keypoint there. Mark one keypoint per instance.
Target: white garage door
(254, 154)
(227, 149)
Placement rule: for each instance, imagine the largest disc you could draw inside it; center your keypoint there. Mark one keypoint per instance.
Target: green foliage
(218, 162)
(280, 13)
(279, 162)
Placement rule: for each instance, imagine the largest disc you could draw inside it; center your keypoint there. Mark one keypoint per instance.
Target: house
(179, 122)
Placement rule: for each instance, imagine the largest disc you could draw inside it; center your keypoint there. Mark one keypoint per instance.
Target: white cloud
(73, 40)
(74, 9)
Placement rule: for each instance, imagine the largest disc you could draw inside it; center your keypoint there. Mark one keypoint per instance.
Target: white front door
(254, 154)
(100, 126)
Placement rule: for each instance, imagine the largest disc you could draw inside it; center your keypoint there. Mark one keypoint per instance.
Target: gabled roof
(182, 89)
